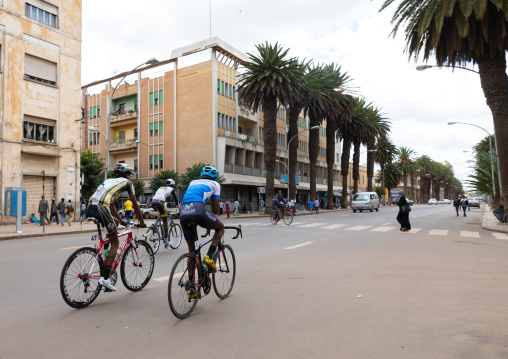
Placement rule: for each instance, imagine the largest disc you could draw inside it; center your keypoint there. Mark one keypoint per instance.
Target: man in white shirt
(292, 204)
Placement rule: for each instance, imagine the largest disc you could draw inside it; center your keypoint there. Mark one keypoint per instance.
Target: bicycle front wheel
(154, 239)
(224, 278)
(287, 217)
(183, 276)
(137, 265)
(272, 218)
(175, 234)
(79, 280)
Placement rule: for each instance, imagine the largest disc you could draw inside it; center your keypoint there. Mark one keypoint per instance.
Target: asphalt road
(338, 285)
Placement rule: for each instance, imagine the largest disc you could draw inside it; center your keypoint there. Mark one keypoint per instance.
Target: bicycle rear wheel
(79, 282)
(154, 238)
(137, 264)
(175, 234)
(287, 217)
(224, 278)
(179, 282)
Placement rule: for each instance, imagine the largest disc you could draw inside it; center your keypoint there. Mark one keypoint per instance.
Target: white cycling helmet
(170, 182)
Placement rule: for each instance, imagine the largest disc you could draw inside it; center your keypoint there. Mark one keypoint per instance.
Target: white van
(365, 200)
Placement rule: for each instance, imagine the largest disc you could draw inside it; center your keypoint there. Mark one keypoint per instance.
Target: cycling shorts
(104, 216)
(161, 208)
(195, 212)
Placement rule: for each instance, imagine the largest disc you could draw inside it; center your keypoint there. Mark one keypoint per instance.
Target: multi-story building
(40, 71)
(170, 117)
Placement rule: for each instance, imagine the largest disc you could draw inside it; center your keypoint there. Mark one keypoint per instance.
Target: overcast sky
(120, 34)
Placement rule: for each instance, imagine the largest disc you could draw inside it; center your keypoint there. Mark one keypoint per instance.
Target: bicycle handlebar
(238, 231)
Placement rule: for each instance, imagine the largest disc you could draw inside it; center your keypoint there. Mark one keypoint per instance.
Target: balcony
(123, 145)
(124, 115)
(245, 112)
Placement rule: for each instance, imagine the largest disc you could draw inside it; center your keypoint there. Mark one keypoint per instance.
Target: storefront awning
(231, 178)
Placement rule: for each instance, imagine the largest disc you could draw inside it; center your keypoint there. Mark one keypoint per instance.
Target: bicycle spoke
(224, 278)
(179, 302)
(137, 266)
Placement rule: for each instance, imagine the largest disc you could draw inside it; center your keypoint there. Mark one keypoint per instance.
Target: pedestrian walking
(53, 212)
(61, 210)
(70, 212)
(456, 204)
(236, 205)
(128, 209)
(464, 202)
(83, 211)
(221, 207)
(311, 204)
(43, 210)
(292, 204)
(228, 206)
(316, 205)
(404, 209)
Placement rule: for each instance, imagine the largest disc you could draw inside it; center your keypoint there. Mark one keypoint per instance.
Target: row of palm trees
(484, 164)
(323, 93)
(397, 164)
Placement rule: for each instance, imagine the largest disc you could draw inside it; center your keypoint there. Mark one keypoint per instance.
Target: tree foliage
(194, 173)
(92, 167)
(159, 180)
(139, 187)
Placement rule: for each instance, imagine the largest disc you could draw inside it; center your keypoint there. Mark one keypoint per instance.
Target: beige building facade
(40, 99)
(169, 117)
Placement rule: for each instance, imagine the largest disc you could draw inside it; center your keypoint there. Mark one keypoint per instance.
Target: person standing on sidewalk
(228, 206)
(43, 210)
(292, 204)
(70, 212)
(311, 204)
(83, 211)
(464, 202)
(456, 204)
(316, 205)
(54, 212)
(128, 209)
(221, 207)
(236, 204)
(61, 209)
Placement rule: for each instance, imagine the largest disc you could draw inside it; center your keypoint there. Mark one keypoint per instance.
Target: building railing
(122, 144)
(126, 114)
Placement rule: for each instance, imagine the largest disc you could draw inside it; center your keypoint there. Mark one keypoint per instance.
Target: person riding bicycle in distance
(193, 210)
(102, 208)
(158, 203)
(278, 202)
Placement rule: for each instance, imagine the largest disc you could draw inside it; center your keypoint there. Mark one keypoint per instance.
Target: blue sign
(284, 179)
(11, 201)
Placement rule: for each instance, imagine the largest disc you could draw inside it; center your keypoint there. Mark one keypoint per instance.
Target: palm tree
(406, 163)
(384, 154)
(392, 176)
(426, 166)
(459, 32)
(384, 129)
(270, 79)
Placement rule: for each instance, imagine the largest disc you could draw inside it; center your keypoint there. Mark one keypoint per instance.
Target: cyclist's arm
(215, 202)
(114, 211)
(137, 210)
(176, 198)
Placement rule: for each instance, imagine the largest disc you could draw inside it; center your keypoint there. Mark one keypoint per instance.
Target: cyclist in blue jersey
(193, 210)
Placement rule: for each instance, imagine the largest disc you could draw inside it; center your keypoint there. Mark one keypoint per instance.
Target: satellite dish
(227, 133)
(243, 137)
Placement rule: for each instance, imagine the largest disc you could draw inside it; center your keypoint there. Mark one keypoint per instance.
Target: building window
(218, 86)
(150, 161)
(156, 161)
(155, 128)
(234, 124)
(42, 15)
(218, 119)
(121, 136)
(136, 165)
(40, 70)
(135, 133)
(151, 128)
(161, 162)
(38, 132)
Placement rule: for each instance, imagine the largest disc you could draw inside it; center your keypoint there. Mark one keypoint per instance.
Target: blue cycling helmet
(210, 171)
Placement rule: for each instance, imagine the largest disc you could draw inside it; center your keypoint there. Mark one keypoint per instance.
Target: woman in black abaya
(403, 218)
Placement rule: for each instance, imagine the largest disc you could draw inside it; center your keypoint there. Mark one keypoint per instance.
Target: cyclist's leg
(107, 220)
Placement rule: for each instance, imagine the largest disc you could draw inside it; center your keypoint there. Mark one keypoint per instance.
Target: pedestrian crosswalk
(382, 228)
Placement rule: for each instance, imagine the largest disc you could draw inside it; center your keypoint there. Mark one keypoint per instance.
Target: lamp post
(95, 129)
(491, 157)
(425, 67)
(350, 198)
(289, 143)
(285, 165)
(151, 61)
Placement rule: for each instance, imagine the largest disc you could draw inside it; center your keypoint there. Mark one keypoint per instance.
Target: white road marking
(384, 224)
(500, 235)
(162, 279)
(469, 234)
(333, 226)
(382, 229)
(297, 223)
(299, 245)
(357, 228)
(438, 232)
(315, 224)
(413, 230)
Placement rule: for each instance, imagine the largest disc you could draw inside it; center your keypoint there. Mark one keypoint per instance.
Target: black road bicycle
(155, 233)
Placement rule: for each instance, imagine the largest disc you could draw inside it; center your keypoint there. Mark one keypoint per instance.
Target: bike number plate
(94, 238)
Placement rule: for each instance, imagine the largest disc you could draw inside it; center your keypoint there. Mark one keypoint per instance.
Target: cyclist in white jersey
(193, 210)
(102, 207)
(158, 203)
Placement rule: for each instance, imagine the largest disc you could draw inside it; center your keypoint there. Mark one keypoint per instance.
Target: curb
(21, 236)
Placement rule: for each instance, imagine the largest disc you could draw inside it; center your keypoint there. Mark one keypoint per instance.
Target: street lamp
(352, 160)
(151, 61)
(285, 165)
(491, 157)
(289, 143)
(425, 67)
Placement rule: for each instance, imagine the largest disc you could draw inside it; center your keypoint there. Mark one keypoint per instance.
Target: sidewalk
(30, 230)
(491, 223)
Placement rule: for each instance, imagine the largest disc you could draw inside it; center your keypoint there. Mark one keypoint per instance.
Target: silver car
(432, 201)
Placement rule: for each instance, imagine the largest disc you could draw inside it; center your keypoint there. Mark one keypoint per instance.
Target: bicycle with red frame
(79, 280)
(284, 214)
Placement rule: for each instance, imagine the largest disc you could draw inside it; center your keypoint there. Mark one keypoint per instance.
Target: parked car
(147, 212)
(441, 201)
(473, 203)
(432, 201)
(447, 201)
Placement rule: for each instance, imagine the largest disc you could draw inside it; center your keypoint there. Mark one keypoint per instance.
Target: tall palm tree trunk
(382, 165)
(294, 112)
(344, 168)
(370, 163)
(313, 152)
(356, 164)
(331, 129)
(495, 87)
(412, 187)
(270, 139)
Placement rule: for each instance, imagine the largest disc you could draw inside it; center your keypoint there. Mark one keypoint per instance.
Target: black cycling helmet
(209, 171)
(123, 170)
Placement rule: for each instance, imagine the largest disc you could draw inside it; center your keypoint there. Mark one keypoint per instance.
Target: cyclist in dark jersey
(193, 210)
(102, 208)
